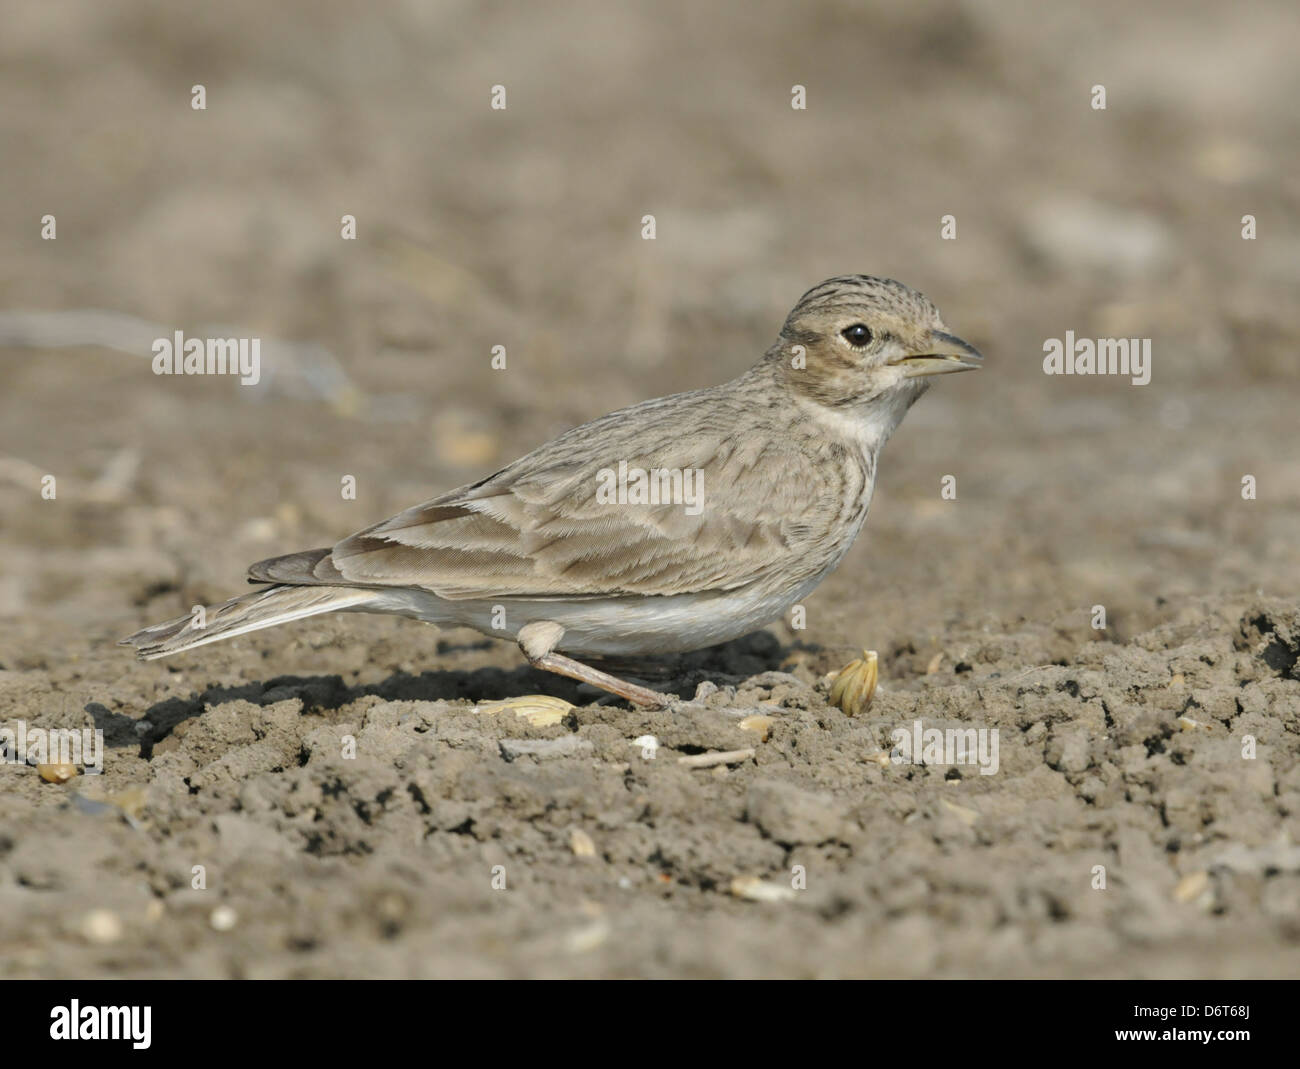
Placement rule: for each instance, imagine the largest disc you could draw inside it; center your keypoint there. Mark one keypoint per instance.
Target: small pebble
(1191, 886)
(756, 889)
(101, 926)
(587, 938)
(963, 813)
(540, 710)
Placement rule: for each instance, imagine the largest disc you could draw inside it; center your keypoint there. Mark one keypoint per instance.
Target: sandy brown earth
(1160, 754)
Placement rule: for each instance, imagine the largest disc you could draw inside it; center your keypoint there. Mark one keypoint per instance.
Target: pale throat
(867, 425)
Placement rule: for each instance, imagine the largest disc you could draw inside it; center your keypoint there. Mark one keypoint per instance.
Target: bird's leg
(538, 641)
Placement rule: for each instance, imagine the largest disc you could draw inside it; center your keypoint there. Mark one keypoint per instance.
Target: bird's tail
(238, 616)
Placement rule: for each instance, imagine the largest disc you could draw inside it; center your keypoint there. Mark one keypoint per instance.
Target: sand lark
(665, 527)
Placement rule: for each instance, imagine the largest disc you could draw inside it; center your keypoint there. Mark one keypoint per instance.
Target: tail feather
(311, 567)
(238, 616)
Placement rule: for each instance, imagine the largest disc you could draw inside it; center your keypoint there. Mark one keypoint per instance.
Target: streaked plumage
(788, 454)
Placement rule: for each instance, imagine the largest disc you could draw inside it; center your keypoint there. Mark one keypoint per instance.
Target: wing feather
(537, 529)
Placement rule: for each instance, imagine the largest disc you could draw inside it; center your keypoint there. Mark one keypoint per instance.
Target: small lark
(780, 464)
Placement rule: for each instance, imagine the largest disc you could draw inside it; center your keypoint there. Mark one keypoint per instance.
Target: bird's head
(857, 340)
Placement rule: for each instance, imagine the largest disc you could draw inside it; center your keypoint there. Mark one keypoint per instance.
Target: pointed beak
(944, 353)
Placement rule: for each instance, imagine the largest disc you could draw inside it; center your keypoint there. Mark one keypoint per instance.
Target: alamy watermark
(921, 745)
(75, 1021)
(657, 486)
(1105, 356)
(179, 355)
(23, 745)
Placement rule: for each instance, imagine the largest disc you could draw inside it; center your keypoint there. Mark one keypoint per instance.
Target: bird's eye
(859, 334)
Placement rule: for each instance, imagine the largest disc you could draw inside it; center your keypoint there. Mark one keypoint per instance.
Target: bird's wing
(542, 529)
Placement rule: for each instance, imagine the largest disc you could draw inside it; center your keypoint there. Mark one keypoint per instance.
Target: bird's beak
(944, 353)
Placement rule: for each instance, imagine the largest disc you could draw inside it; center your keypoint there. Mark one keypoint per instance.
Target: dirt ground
(1130, 829)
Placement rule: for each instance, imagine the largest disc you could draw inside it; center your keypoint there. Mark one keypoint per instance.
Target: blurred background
(521, 227)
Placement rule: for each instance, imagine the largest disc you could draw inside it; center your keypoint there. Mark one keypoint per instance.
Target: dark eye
(859, 334)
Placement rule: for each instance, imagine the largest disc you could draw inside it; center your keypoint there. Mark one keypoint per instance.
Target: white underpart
(610, 627)
(869, 426)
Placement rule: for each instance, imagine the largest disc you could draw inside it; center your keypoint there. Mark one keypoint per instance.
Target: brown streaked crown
(899, 318)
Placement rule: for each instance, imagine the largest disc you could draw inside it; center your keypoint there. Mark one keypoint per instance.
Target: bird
(668, 526)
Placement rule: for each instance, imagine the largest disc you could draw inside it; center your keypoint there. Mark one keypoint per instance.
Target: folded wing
(540, 528)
